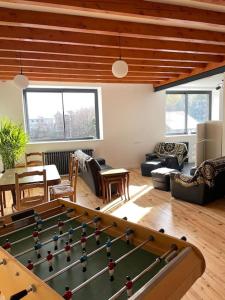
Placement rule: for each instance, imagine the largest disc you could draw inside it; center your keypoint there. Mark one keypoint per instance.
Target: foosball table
(60, 250)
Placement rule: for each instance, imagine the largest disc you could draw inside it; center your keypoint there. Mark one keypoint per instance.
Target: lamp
(21, 81)
(120, 67)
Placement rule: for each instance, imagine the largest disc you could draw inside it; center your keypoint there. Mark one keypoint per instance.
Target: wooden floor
(203, 226)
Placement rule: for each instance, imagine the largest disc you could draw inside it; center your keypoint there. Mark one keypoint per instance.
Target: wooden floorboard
(204, 226)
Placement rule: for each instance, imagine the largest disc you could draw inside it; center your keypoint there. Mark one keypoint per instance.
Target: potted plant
(13, 140)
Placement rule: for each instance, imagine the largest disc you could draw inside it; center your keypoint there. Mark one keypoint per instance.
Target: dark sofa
(206, 185)
(89, 168)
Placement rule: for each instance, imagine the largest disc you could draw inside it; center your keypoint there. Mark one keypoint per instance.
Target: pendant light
(120, 66)
(21, 81)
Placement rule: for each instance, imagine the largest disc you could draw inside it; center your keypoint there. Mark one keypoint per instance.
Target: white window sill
(62, 142)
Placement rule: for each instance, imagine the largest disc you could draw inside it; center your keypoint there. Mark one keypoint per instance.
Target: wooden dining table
(7, 180)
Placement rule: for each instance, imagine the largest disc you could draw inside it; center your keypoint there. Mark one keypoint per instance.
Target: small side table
(115, 176)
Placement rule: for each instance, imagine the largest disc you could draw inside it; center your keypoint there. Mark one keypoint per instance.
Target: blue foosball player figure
(39, 224)
(108, 247)
(55, 239)
(71, 232)
(37, 248)
(83, 261)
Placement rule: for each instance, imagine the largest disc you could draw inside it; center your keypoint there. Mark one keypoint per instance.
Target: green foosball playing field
(85, 254)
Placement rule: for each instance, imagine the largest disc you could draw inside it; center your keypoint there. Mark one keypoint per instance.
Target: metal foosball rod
(116, 262)
(146, 270)
(31, 216)
(78, 261)
(33, 224)
(47, 229)
(72, 245)
(50, 240)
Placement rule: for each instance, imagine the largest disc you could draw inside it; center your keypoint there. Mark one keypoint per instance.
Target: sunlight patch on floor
(121, 208)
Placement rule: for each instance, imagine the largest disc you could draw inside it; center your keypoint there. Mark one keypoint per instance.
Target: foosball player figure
(36, 216)
(55, 239)
(71, 232)
(39, 224)
(97, 236)
(111, 268)
(97, 221)
(30, 265)
(37, 248)
(129, 286)
(7, 246)
(83, 241)
(129, 235)
(60, 226)
(50, 260)
(83, 261)
(108, 247)
(68, 294)
(84, 227)
(35, 235)
(67, 249)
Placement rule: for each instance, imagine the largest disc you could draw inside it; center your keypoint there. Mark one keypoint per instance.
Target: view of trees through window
(184, 110)
(61, 114)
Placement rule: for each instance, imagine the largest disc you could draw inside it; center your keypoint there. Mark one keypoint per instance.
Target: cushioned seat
(161, 178)
(148, 166)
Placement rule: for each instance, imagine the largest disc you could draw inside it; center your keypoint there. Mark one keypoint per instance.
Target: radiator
(61, 159)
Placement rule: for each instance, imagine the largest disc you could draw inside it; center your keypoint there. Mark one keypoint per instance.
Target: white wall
(133, 122)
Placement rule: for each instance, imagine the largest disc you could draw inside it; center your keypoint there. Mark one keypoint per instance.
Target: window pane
(175, 113)
(45, 118)
(198, 110)
(79, 111)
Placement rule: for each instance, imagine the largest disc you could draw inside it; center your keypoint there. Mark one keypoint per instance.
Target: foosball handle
(23, 293)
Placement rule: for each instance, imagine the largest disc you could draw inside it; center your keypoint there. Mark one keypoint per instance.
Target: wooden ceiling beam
(40, 59)
(46, 20)
(104, 41)
(22, 47)
(26, 70)
(87, 66)
(74, 76)
(139, 9)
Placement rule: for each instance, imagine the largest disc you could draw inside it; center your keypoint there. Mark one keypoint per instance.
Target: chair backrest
(34, 185)
(74, 165)
(34, 159)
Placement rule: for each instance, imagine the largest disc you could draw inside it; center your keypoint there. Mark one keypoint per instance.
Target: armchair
(206, 185)
(171, 155)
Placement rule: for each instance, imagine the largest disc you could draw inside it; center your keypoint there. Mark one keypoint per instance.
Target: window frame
(62, 90)
(186, 93)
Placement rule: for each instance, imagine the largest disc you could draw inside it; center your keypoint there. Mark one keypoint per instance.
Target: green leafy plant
(13, 140)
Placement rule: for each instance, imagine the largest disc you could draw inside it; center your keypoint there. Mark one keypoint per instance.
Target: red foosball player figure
(83, 241)
(111, 268)
(35, 235)
(129, 286)
(30, 265)
(97, 236)
(60, 226)
(67, 249)
(7, 245)
(50, 260)
(68, 294)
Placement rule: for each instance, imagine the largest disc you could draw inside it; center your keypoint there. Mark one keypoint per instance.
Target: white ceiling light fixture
(120, 66)
(21, 81)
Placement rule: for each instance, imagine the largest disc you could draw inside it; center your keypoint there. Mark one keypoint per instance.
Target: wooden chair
(34, 159)
(38, 189)
(67, 188)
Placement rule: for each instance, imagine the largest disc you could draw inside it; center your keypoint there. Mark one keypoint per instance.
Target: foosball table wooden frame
(172, 282)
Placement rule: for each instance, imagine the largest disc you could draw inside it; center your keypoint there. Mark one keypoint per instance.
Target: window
(61, 114)
(184, 110)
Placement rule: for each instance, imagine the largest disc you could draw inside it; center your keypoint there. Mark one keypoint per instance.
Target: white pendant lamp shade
(21, 81)
(120, 68)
